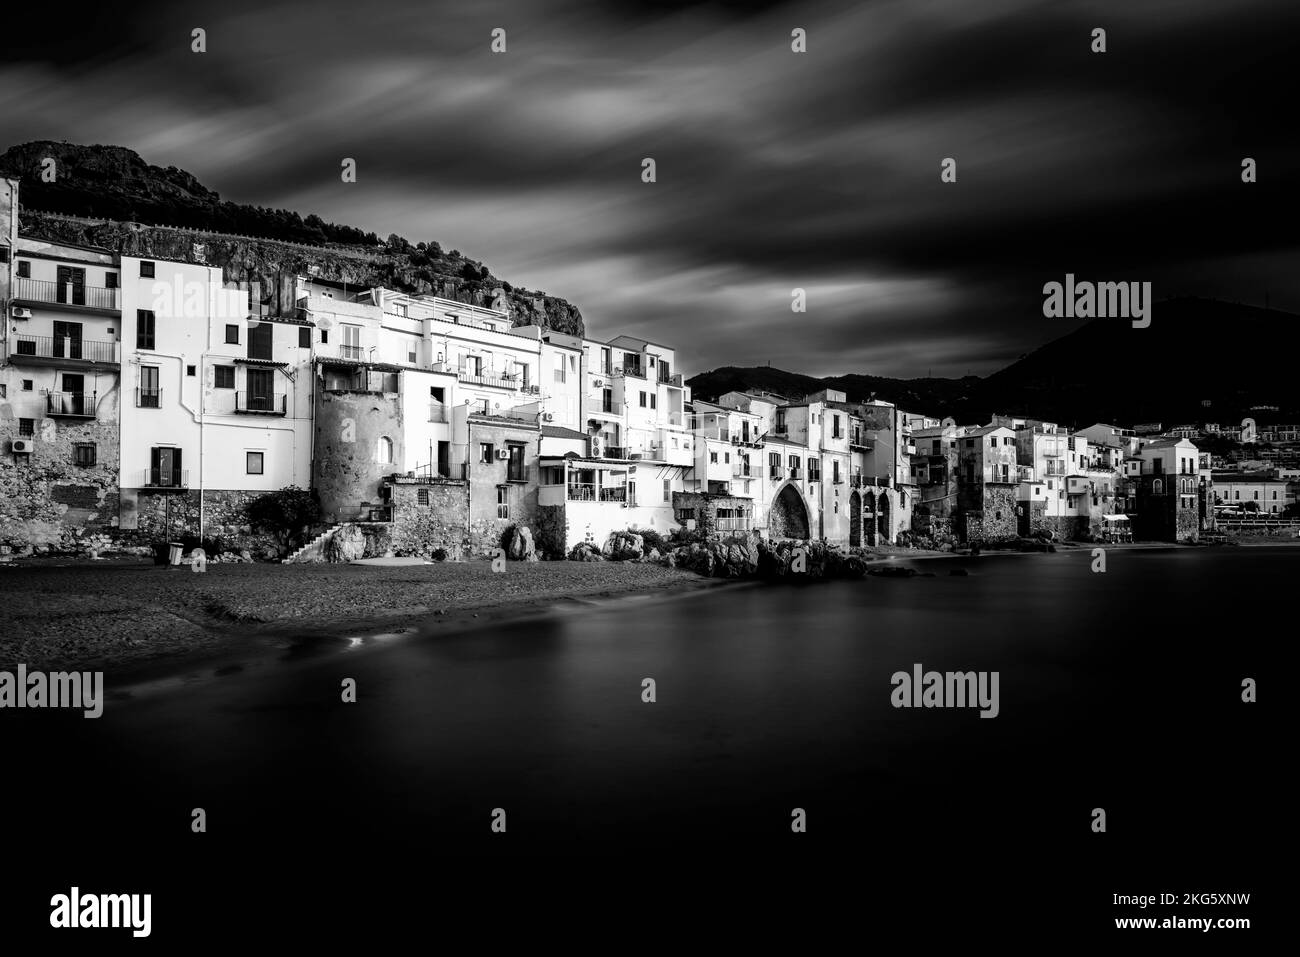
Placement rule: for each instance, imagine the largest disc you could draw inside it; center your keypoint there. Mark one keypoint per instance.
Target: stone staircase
(314, 551)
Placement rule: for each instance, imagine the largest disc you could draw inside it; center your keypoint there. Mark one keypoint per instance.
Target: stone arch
(788, 516)
(855, 520)
(882, 519)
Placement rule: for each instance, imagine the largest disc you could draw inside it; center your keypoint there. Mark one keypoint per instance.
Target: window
(26, 426)
(324, 336)
(83, 453)
(726, 457)
(144, 329)
(4, 254)
(485, 451)
(559, 368)
(149, 394)
(515, 469)
(835, 472)
(713, 458)
(224, 377)
(259, 341)
(384, 452)
(110, 280)
(191, 370)
(668, 490)
(27, 385)
(653, 399)
(605, 367)
(503, 501)
(304, 337)
(422, 496)
(146, 269)
(253, 463)
(165, 467)
(24, 269)
(835, 427)
(643, 400)
(993, 441)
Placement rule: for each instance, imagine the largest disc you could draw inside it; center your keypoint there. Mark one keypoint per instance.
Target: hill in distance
(1200, 360)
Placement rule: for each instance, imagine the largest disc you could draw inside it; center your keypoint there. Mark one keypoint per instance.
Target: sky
(775, 170)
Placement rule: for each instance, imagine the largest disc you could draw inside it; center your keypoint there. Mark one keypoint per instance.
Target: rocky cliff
(109, 197)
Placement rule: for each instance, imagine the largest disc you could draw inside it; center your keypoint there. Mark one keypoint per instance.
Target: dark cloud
(775, 170)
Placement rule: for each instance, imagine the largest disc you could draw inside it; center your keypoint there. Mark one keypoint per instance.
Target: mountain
(108, 196)
(1199, 360)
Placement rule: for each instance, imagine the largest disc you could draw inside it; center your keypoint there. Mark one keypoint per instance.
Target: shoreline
(223, 635)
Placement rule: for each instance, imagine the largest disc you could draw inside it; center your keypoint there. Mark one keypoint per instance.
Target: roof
(260, 362)
(560, 432)
(986, 429)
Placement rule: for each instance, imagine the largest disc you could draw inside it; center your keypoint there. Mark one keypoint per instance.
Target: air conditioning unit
(633, 455)
(599, 383)
(21, 446)
(503, 455)
(21, 312)
(548, 416)
(597, 447)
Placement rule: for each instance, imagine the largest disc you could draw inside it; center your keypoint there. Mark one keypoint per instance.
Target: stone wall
(49, 504)
(346, 469)
(705, 505)
(997, 520)
(171, 516)
(428, 516)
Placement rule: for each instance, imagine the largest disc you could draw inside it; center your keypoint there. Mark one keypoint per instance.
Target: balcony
(27, 348)
(586, 492)
(166, 478)
(796, 474)
(612, 410)
(615, 452)
(776, 472)
(72, 405)
(814, 477)
(260, 403)
(66, 294)
(488, 379)
(148, 398)
(352, 352)
(636, 372)
(743, 470)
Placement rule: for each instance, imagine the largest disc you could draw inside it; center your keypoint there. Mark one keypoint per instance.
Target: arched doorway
(855, 520)
(882, 519)
(869, 515)
(788, 517)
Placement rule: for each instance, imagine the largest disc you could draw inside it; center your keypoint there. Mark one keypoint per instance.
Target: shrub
(289, 514)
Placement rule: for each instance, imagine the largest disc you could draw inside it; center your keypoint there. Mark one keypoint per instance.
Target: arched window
(1157, 487)
(385, 451)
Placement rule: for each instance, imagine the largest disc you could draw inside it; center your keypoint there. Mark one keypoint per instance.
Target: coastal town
(146, 402)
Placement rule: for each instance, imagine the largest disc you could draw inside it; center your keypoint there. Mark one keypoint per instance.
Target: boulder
(623, 546)
(520, 547)
(348, 544)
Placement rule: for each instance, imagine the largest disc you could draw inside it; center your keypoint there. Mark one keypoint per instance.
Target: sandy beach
(125, 613)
